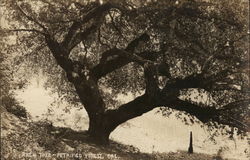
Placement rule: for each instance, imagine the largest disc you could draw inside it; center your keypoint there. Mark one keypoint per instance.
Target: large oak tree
(168, 53)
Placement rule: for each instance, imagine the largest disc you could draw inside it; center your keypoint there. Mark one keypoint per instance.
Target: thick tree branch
(81, 36)
(60, 54)
(192, 81)
(133, 44)
(196, 81)
(204, 114)
(207, 114)
(102, 69)
(144, 103)
(106, 66)
(139, 106)
(135, 108)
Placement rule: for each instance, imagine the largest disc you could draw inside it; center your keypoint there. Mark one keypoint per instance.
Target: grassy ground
(41, 141)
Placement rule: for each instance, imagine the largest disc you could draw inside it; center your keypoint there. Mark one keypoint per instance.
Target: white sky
(150, 132)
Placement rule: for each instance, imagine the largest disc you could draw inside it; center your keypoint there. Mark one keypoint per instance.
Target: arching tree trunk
(101, 125)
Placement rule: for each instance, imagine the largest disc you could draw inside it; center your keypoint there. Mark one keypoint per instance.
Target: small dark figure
(190, 148)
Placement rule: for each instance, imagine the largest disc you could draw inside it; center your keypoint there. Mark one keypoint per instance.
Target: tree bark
(99, 129)
(101, 125)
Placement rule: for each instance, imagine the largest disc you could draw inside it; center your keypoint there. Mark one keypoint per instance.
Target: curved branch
(81, 36)
(196, 81)
(103, 69)
(60, 54)
(132, 109)
(204, 114)
(192, 81)
(209, 113)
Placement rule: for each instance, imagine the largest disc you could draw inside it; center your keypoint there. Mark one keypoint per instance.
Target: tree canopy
(189, 55)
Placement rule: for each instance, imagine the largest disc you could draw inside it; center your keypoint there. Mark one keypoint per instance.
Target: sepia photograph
(124, 80)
